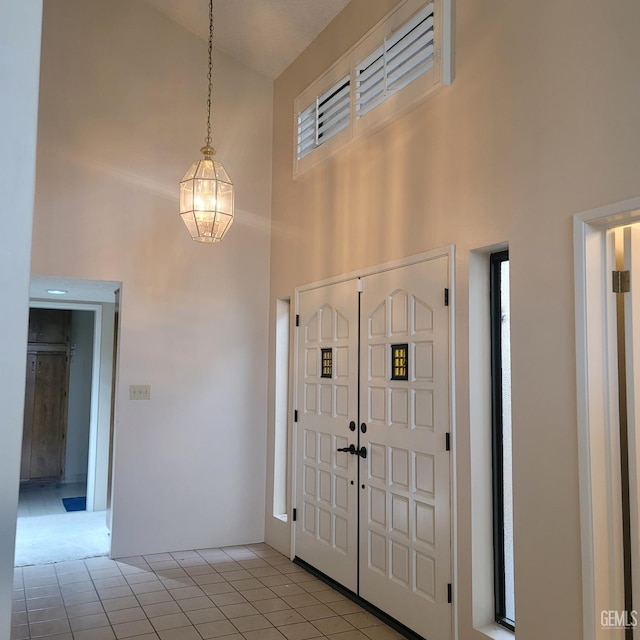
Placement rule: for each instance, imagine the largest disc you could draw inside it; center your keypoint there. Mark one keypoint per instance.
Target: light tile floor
(237, 593)
(44, 500)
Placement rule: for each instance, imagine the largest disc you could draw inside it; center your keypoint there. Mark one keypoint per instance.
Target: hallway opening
(70, 461)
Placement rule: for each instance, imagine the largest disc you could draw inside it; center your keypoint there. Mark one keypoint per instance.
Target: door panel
(49, 416)
(326, 533)
(45, 410)
(405, 564)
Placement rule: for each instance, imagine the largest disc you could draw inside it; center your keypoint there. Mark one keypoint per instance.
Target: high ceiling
(265, 35)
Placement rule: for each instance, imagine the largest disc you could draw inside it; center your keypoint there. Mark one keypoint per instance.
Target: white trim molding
(597, 411)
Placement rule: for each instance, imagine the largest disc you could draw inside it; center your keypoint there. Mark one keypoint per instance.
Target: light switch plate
(140, 392)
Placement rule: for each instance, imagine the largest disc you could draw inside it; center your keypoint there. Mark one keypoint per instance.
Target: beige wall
(540, 123)
(122, 116)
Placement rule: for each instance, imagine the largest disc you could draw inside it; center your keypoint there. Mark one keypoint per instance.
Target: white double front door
(373, 497)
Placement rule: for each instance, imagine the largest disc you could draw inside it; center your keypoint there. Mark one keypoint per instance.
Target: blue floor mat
(75, 504)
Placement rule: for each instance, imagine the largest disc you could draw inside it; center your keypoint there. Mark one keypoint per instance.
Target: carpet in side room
(56, 538)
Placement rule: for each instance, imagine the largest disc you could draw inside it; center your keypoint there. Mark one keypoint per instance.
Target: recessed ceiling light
(57, 292)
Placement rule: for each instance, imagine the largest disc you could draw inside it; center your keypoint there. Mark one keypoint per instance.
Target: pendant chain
(210, 74)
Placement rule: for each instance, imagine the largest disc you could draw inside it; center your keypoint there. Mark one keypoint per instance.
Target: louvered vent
(401, 58)
(324, 118)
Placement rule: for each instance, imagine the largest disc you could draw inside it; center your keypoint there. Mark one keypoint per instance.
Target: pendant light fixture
(206, 191)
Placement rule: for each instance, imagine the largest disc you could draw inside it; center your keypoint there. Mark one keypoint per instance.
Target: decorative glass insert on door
(327, 363)
(399, 361)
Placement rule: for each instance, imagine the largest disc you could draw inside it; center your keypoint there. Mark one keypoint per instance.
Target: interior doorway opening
(602, 508)
(62, 512)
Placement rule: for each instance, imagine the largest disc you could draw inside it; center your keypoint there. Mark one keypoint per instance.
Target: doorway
(373, 494)
(599, 419)
(85, 461)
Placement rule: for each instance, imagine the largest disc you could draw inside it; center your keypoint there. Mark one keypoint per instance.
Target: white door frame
(597, 410)
(95, 385)
(449, 252)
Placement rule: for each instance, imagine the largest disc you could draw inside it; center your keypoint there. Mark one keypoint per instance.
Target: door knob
(352, 426)
(362, 452)
(350, 449)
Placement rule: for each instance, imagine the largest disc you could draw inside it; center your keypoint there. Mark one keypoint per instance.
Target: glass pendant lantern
(206, 198)
(206, 191)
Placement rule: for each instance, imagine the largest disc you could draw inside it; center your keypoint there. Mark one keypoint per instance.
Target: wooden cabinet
(46, 396)
(49, 326)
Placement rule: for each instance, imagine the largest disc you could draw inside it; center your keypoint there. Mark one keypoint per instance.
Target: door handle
(350, 449)
(362, 451)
